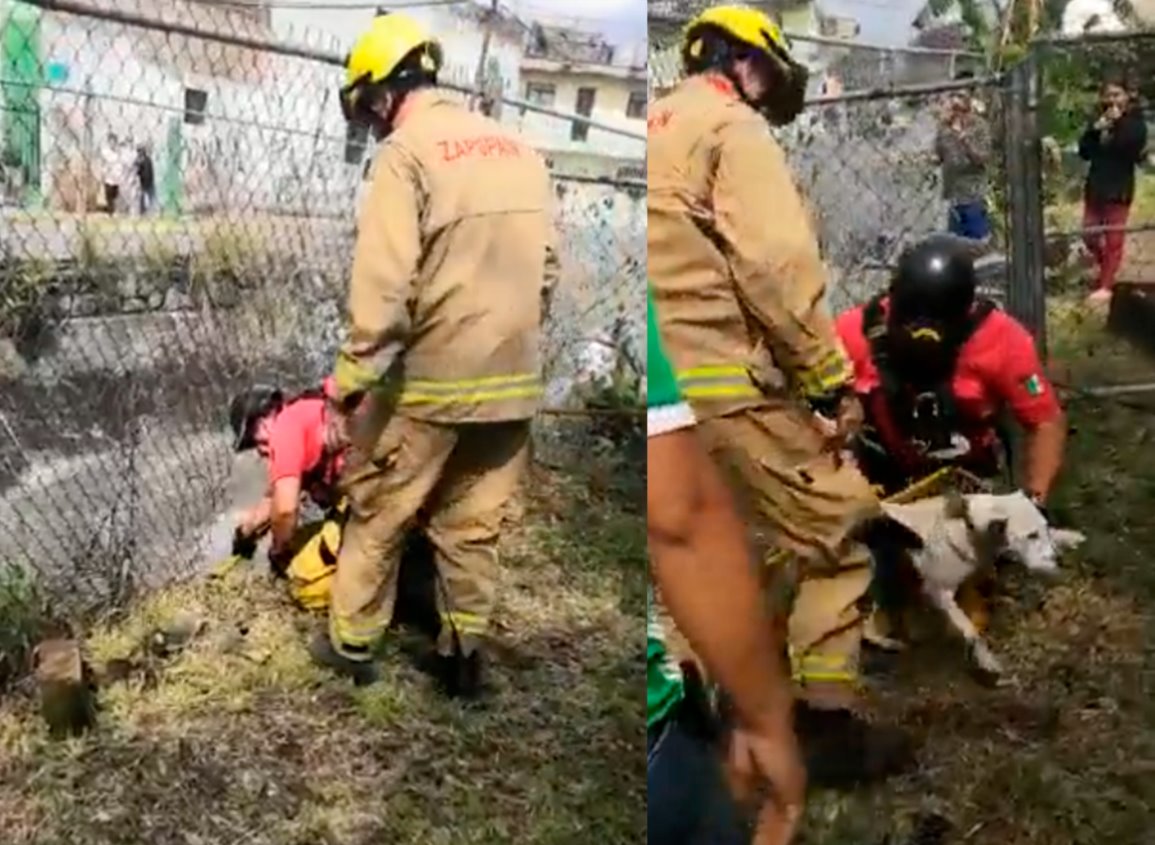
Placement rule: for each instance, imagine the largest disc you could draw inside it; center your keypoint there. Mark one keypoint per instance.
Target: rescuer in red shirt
(299, 439)
(937, 368)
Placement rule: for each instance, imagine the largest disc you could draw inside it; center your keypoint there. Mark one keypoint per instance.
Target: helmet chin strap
(728, 70)
(382, 126)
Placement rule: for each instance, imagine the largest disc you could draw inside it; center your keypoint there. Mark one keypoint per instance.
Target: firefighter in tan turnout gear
(734, 263)
(448, 286)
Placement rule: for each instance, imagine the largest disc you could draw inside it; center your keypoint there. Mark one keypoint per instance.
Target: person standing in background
(146, 180)
(963, 147)
(110, 172)
(1114, 144)
(126, 172)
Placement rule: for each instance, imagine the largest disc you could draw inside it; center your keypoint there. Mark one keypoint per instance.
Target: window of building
(585, 107)
(356, 142)
(195, 102)
(540, 94)
(636, 106)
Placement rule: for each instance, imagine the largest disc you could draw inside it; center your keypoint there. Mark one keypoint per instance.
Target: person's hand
(337, 429)
(769, 757)
(840, 429)
(244, 543)
(279, 560)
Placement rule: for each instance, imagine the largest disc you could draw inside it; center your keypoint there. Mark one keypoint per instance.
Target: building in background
(805, 23)
(839, 26)
(578, 72)
(229, 126)
(563, 68)
(72, 83)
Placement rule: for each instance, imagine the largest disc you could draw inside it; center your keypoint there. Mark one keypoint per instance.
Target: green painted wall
(172, 178)
(21, 67)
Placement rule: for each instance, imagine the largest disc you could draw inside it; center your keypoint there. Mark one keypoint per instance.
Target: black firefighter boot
(361, 672)
(843, 751)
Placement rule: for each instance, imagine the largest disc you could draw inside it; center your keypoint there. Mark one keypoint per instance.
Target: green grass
(1064, 755)
(23, 618)
(240, 739)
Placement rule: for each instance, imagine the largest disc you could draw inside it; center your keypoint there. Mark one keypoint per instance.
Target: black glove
(828, 405)
(244, 545)
(279, 560)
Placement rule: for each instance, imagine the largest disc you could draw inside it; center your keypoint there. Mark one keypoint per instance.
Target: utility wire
(327, 5)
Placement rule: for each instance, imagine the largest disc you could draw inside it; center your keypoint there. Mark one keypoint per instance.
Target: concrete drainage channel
(115, 469)
(89, 522)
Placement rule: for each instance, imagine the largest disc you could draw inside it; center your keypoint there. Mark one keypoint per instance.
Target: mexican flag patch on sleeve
(1034, 385)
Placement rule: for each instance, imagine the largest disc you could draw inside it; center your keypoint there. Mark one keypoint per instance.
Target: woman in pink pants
(1114, 144)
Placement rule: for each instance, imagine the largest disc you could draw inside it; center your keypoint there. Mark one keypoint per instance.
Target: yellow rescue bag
(311, 569)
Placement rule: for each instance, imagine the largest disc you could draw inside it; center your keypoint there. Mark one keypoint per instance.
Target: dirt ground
(240, 740)
(1065, 754)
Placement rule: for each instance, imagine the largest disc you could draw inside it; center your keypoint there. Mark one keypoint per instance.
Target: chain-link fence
(1097, 185)
(179, 195)
(868, 161)
(837, 66)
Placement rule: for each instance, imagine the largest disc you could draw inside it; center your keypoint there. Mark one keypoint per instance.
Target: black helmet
(247, 409)
(935, 281)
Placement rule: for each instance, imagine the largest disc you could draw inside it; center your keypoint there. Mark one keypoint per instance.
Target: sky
(885, 22)
(619, 20)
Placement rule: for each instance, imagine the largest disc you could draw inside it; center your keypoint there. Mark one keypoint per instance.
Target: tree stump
(67, 700)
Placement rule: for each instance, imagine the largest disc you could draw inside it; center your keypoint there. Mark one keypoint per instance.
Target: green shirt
(666, 412)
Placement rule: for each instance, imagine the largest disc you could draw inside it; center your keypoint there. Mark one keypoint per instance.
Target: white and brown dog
(948, 542)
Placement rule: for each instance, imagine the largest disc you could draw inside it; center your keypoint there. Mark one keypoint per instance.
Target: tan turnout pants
(461, 477)
(809, 504)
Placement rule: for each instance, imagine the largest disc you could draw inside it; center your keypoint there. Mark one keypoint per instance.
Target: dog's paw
(1066, 539)
(985, 661)
(884, 643)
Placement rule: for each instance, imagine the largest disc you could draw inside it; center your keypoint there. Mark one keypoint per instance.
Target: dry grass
(1064, 755)
(239, 740)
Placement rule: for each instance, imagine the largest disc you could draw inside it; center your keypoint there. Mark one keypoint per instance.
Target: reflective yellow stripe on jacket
(832, 372)
(822, 668)
(471, 391)
(719, 381)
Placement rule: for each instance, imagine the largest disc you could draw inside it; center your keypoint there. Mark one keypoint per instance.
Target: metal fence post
(1026, 293)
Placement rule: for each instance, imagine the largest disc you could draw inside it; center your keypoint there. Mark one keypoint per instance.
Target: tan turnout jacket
(450, 269)
(733, 258)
